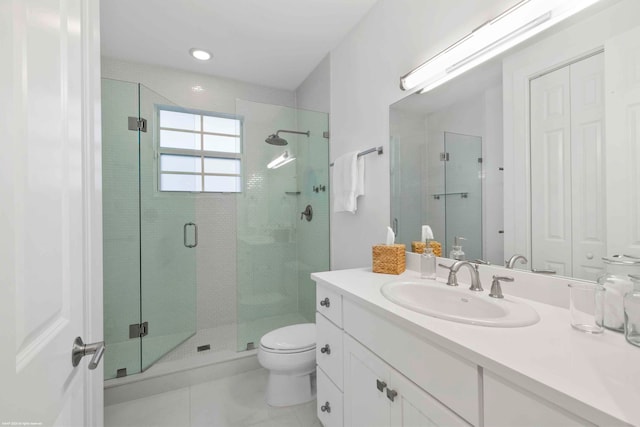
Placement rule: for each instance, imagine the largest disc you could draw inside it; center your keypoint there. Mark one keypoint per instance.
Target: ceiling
(274, 43)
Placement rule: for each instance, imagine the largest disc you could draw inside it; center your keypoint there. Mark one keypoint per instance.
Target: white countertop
(594, 376)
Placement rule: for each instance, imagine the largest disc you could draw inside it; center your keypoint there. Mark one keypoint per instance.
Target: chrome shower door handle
(80, 349)
(195, 235)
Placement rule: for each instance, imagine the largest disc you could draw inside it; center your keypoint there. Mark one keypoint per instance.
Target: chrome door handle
(326, 349)
(325, 302)
(381, 385)
(80, 349)
(391, 394)
(195, 231)
(326, 408)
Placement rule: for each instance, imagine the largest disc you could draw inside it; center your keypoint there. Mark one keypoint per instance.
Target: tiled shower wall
(216, 261)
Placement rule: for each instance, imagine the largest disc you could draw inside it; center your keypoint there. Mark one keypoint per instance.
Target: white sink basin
(459, 304)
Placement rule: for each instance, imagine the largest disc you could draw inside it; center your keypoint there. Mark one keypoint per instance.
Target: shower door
(149, 273)
(168, 229)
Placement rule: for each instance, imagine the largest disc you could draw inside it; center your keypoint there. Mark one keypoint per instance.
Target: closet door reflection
(568, 223)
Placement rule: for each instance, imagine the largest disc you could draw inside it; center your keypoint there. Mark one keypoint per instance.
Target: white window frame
(200, 153)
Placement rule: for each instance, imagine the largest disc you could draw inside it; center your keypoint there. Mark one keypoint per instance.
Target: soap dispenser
(457, 253)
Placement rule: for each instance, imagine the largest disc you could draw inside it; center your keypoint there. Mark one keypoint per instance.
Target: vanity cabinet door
(414, 407)
(365, 387)
(507, 405)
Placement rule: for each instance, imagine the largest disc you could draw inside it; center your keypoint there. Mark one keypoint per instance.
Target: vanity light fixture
(515, 25)
(200, 54)
(281, 160)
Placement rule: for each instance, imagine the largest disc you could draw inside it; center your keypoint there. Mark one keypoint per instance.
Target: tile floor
(228, 402)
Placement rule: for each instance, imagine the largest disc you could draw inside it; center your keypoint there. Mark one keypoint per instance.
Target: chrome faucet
(473, 270)
(512, 261)
(496, 290)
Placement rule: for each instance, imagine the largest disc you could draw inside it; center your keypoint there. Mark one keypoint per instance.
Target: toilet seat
(290, 339)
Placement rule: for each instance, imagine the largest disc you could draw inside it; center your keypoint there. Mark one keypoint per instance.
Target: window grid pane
(185, 132)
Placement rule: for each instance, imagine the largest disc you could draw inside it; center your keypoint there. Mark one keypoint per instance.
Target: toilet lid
(294, 337)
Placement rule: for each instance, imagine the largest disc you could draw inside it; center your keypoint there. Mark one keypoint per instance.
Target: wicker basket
(418, 247)
(389, 259)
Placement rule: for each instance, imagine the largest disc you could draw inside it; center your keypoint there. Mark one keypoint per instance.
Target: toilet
(289, 354)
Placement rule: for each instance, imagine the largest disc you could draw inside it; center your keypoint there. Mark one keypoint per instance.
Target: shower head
(274, 139)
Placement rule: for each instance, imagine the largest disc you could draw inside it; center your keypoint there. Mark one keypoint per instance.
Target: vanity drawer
(329, 407)
(329, 303)
(329, 349)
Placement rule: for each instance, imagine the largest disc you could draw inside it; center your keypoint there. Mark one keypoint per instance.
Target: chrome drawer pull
(381, 385)
(391, 394)
(325, 302)
(326, 349)
(326, 408)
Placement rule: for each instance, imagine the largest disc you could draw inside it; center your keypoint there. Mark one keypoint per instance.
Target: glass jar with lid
(632, 312)
(617, 283)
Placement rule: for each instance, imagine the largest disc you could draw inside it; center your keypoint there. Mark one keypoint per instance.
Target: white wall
(394, 37)
(314, 92)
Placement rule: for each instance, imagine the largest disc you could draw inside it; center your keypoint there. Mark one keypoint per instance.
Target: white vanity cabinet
(375, 394)
(385, 366)
(357, 388)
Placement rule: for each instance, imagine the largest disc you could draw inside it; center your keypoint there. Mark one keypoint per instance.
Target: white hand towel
(348, 182)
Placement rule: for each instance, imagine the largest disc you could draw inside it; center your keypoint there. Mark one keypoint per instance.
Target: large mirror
(534, 153)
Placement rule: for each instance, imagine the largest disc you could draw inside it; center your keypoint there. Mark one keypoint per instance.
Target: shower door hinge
(138, 330)
(479, 159)
(325, 134)
(137, 124)
(444, 157)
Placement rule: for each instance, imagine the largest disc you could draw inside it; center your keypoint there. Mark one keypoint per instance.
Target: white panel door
(587, 167)
(622, 65)
(366, 378)
(414, 407)
(551, 172)
(49, 210)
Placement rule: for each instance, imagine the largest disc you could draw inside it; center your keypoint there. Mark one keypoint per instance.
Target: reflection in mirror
(550, 181)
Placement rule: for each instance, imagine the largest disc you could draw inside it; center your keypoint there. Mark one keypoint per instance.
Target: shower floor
(223, 342)
(224, 339)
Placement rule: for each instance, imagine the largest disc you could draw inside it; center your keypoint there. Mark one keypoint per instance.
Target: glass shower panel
(463, 188)
(270, 261)
(168, 224)
(312, 237)
(121, 231)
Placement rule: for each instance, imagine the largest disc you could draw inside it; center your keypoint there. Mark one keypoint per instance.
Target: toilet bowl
(289, 354)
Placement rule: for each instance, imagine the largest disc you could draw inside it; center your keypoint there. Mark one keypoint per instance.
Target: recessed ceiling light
(200, 54)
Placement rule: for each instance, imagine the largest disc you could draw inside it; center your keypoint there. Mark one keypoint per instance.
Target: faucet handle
(448, 267)
(496, 289)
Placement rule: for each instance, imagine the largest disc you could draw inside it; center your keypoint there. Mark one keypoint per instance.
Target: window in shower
(199, 151)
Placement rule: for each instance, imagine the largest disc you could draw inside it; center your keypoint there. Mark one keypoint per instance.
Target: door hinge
(479, 159)
(138, 330)
(325, 134)
(137, 124)
(444, 157)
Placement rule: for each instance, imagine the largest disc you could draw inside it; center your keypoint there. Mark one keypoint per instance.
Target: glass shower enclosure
(183, 269)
